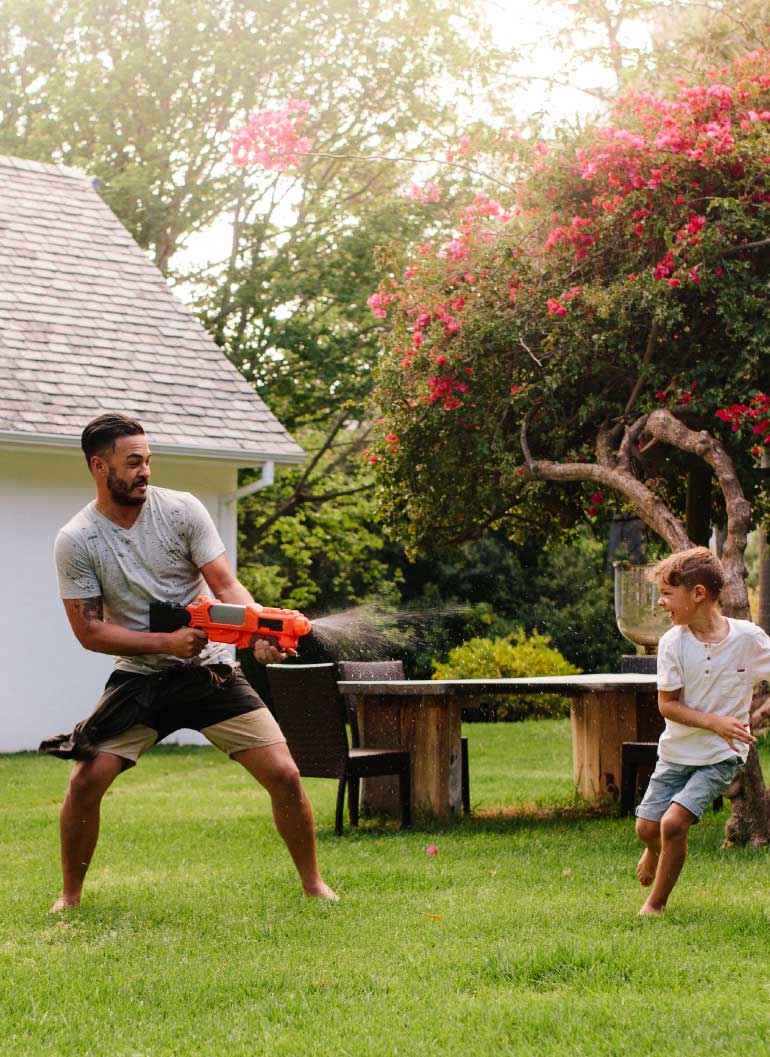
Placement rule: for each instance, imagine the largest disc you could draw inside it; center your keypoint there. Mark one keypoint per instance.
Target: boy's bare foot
(321, 891)
(647, 867)
(63, 903)
(651, 911)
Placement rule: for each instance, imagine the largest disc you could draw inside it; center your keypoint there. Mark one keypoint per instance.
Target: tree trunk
(698, 511)
(750, 802)
(763, 616)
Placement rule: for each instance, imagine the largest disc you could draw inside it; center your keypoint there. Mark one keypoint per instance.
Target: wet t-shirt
(159, 557)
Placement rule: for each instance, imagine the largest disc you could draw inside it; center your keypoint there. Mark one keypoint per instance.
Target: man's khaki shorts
(218, 701)
(253, 730)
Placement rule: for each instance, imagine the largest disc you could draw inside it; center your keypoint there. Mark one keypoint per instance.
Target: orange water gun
(237, 625)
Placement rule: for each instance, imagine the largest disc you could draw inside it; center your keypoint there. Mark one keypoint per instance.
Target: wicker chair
(352, 671)
(311, 714)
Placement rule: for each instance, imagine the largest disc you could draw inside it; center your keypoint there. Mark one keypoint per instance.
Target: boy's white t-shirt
(716, 677)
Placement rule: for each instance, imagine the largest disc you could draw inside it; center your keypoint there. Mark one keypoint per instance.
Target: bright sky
(516, 24)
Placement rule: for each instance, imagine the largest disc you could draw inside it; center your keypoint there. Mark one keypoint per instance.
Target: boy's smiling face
(680, 602)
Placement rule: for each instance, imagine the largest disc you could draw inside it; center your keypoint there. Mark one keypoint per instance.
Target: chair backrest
(311, 714)
(353, 670)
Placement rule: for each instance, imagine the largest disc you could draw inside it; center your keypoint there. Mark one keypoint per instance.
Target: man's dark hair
(101, 433)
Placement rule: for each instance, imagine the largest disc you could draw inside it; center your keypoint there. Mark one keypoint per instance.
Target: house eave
(56, 444)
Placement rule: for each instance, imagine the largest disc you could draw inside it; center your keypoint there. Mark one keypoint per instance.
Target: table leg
(429, 729)
(600, 725)
(379, 727)
(649, 722)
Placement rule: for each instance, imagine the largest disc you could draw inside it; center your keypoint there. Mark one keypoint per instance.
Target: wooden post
(600, 725)
(379, 726)
(428, 727)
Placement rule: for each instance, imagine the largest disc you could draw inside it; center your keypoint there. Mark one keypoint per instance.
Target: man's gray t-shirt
(159, 557)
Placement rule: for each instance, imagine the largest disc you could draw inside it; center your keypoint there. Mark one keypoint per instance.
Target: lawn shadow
(491, 820)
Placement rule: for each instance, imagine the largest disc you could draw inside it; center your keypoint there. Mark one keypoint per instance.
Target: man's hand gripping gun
(238, 625)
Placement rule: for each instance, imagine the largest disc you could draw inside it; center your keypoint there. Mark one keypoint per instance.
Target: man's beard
(120, 492)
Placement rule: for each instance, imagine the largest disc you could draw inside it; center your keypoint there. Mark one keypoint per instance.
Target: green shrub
(516, 655)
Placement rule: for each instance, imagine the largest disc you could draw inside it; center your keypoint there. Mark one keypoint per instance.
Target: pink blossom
(429, 193)
(378, 303)
(271, 138)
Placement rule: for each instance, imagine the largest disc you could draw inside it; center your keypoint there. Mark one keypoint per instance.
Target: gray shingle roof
(88, 325)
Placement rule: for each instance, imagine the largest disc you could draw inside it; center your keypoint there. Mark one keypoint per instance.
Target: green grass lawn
(519, 937)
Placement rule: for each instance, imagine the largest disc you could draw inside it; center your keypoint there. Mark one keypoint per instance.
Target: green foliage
(516, 655)
(311, 540)
(565, 591)
(613, 284)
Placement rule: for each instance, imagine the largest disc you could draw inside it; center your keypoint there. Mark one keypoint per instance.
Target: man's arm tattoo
(91, 608)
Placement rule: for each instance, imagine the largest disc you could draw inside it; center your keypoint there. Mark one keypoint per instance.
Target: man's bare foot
(651, 911)
(647, 867)
(63, 903)
(321, 891)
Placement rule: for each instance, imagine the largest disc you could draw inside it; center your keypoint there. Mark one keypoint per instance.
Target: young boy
(707, 666)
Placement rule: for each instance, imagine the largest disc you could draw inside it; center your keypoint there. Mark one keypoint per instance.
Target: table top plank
(544, 684)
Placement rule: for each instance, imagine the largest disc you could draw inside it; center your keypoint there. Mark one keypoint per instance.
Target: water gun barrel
(237, 625)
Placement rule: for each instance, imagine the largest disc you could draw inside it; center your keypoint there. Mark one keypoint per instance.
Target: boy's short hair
(101, 433)
(698, 565)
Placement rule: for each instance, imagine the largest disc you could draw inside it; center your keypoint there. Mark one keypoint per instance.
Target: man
(132, 544)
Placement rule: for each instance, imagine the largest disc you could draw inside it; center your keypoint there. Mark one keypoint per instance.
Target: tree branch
(630, 437)
(662, 425)
(652, 337)
(651, 508)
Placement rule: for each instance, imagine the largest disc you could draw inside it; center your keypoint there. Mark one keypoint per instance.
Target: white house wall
(49, 681)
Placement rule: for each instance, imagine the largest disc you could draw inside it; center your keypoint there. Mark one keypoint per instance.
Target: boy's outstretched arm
(672, 707)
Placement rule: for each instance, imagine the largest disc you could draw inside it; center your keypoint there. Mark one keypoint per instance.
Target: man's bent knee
(90, 779)
(284, 781)
(272, 766)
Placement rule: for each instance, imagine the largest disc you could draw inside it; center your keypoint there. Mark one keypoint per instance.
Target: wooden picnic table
(424, 717)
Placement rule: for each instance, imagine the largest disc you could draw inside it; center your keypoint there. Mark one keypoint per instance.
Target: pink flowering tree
(597, 341)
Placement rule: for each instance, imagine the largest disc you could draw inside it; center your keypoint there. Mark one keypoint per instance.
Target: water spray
(363, 632)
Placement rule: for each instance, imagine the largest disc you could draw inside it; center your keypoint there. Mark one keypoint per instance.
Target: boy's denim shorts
(694, 787)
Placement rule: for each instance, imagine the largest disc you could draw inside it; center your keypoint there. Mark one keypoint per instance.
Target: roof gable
(88, 324)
